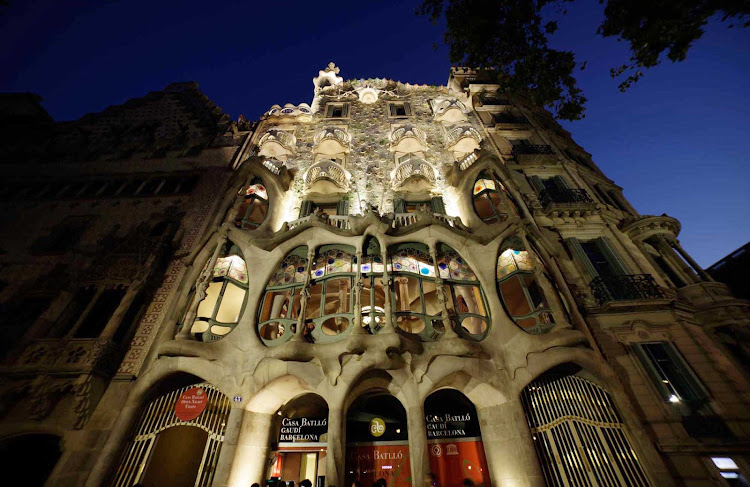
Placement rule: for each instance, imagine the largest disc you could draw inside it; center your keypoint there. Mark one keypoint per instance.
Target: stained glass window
(453, 266)
(281, 304)
(232, 266)
(413, 260)
(254, 207)
(523, 298)
(372, 296)
(329, 308)
(488, 202)
(465, 300)
(332, 261)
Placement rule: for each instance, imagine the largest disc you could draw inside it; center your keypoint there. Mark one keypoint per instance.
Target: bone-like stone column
(508, 446)
(252, 450)
(420, 464)
(229, 446)
(335, 453)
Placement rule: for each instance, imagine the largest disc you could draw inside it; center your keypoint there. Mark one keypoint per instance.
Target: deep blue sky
(676, 141)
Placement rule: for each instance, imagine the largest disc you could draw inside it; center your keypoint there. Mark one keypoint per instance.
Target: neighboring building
(392, 281)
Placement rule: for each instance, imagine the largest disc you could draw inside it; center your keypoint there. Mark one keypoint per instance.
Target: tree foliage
(511, 37)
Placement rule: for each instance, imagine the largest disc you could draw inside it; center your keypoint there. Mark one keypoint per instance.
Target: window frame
(331, 106)
(394, 105)
(295, 287)
(317, 333)
(450, 283)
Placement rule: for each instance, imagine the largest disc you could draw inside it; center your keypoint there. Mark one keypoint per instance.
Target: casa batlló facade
(408, 282)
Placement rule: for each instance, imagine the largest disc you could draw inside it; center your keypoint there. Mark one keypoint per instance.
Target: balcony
(340, 222)
(412, 168)
(331, 141)
(625, 288)
(328, 170)
(408, 138)
(449, 110)
(276, 144)
(401, 220)
(534, 154)
(507, 121)
(464, 139)
(566, 199)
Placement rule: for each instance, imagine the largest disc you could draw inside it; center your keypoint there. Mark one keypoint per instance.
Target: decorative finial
(332, 67)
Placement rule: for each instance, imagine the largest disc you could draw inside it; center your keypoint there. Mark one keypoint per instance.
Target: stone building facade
(409, 282)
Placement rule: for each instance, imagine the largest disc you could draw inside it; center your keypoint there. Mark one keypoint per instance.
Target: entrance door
(176, 457)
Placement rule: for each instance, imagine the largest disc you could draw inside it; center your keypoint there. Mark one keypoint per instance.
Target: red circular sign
(191, 404)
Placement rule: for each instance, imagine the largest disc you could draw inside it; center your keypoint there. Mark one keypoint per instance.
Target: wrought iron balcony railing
(532, 149)
(505, 118)
(565, 196)
(625, 288)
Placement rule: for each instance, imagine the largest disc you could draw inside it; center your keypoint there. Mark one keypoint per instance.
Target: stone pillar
(510, 452)
(358, 287)
(389, 325)
(442, 296)
(252, 451)
(229, 447)
(336, 451)
(420, 463)
(704, 275)
(200, 291)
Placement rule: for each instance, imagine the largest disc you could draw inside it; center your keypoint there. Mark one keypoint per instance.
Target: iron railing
(560, 195)
(532, 149)
(624, 288)
(508, 118)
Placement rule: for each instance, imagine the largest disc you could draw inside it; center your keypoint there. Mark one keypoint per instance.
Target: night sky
(676, 141)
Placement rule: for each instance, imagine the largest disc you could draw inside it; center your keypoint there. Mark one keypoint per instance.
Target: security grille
(159, 415)
(579, 436)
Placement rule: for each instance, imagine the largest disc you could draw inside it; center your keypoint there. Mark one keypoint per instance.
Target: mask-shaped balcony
(413, 168)
(277, 144)
(449, 110)
(407, 139)
(325, 172)
(331, 141)
(463, 139)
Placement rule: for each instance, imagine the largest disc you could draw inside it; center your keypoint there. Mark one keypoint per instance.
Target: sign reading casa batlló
(190, 404)
(303, 429)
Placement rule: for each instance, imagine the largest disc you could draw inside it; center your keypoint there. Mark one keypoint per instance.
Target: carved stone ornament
(640, 331)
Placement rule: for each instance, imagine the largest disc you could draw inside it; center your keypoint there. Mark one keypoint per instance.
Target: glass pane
(199, 326)
(474, 325)
(453, 266)
(231, 266)
(483, 184)
(469, 300)
(432, 305)
(527, 323)
(514, 297)
(280, 304)
(231, 304)
(206, 307)
(497, 202)
(291, 270)
(536, 295)
(272, 331)
(483, 207)
(220, 330)
(337, 296)
(255, 213)
(332, 261)
(407, 294)
(313, 304)
(257, 190)
(334, 326)
(505, 264)
(410, 323)
(414, 261)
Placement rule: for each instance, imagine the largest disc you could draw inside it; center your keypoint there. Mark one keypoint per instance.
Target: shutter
(407, 108)
(560, 183)
(392, 108)
(399, 205)
(329, 110)
(345, 110)
(606, 249)
(697, 393)
(305, 208)
(536, 183)
(578, 253)
(437, 205)
(342, 207)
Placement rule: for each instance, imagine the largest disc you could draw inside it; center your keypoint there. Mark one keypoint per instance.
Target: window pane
(537, 297)
(206, 307)
(231, 304)
(255, 212)
(313, 304)
(334, 326)
(474, 325)
(272, 331)
(407, 294)
(280, 304)
(469, 300)
(514, 297)
(410, 323)
(432, 306)
(483, 206)
(337, 296)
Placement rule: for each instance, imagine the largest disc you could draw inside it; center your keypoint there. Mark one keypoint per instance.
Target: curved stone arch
(474, 384)
(276, 393)
(12, 430)
(371, 379)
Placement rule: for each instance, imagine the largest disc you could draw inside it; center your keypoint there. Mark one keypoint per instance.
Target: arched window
(329, 309)
(415, 291)
(373, 293)
(253, 209)
(220, 310)
(280, 307)
(464, 294)
(522, 297)
(488, 199)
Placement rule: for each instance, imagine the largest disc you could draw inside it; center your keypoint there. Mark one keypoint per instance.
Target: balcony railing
(467, 161)
(625, 288)
(532, 149)
(413, 167)
(337, 221)
(406, 219)
(564, 196)
(273, 165)
(461, 132)
(332, 133)
(506, 118)
(328, 169)
(276, 135)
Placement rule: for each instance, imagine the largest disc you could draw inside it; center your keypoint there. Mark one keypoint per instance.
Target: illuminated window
(522, 296)
(488, 199)
(281, 305)
(464, 295)
(415, 291)
(253, 209)
(372, 298)
(329, 309)
(219, 312)
(730, 471)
